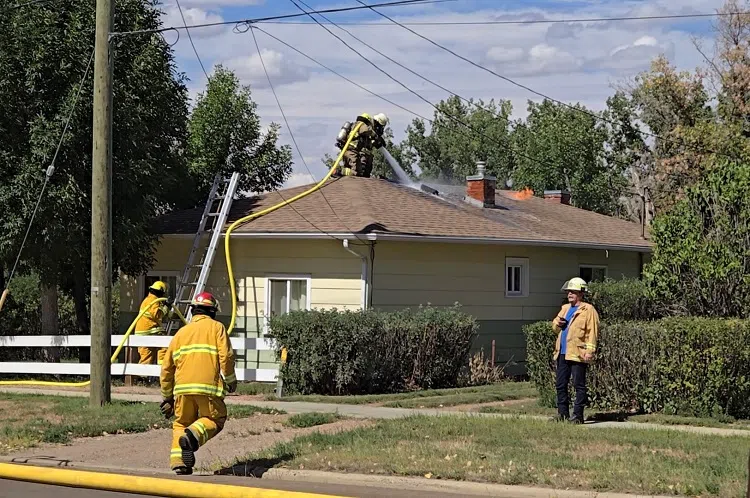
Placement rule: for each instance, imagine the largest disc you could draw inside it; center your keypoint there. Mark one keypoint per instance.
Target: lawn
(530, 452)
(430, 398)
(28, 419)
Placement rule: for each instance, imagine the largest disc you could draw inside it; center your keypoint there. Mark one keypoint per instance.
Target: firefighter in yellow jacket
(151, 321)
(192, 387)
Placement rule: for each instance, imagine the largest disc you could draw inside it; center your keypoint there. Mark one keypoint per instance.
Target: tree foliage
(461, 134)
(559, 148)
(226, 136)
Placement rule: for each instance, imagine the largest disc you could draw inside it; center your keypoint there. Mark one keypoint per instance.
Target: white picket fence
(246, 345)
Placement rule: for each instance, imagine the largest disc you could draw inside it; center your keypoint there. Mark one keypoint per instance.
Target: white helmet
(381, 119)
(575, 284)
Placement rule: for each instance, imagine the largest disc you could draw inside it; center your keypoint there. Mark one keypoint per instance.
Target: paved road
(17, 489)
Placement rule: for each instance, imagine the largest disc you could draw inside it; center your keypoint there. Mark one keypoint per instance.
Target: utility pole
(101, 209)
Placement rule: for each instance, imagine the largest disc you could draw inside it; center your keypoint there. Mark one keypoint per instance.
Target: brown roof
(383, 208)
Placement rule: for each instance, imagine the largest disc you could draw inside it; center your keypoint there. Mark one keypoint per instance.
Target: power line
(296, 145)
(362, 87)
(190, 37)
(521, 85)
(51, 168)
(251, 21)
(527, 21)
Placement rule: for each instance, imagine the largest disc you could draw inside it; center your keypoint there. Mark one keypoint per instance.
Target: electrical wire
(531, 90)
(270, 18)
(190, 37)
(528, 21)
(50, 168)
(361, 87)
(296, 145)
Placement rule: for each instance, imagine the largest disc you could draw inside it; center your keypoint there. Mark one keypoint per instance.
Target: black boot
(183, 471)
(189, 445)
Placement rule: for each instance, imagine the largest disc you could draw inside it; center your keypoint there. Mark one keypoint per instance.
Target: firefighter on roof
(192, 387)
(357, 160)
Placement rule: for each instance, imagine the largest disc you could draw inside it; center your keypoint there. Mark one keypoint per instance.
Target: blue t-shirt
(564, 337)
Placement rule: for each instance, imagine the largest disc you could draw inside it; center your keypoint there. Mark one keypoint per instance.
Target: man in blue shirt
(577, 326)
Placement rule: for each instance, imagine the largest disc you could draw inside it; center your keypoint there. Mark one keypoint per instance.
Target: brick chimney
(557, 196)
(480, 188)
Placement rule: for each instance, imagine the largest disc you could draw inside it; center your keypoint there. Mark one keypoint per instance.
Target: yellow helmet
(158, 286)
(575, 284)
(366, 116)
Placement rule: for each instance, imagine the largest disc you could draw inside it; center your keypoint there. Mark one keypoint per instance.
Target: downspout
(365, 274)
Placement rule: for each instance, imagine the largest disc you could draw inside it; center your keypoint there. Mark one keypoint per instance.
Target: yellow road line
(140, 485)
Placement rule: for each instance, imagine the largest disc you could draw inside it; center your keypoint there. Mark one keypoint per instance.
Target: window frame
(159, 274)
(593, 267)
(267, 305)
(523, 263)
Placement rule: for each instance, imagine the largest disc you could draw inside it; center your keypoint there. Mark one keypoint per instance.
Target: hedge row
(367, 352)
(690, 366)
(625, 299)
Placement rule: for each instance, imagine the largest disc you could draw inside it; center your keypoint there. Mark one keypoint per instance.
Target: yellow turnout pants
(203, 415)
(148, 355)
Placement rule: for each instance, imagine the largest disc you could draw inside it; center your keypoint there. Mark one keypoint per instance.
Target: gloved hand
(167, 408)
(379, 142)
(231, 387)
(340, 144)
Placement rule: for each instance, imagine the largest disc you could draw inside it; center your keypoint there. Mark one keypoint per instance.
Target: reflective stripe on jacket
(150, 322)
(364, 140)
(195, 359)
(583, 332)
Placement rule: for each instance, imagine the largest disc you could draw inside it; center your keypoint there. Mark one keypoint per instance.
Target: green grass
(529, 452)
(720, 423)
(528, 407)
(497, 392)
(488, 391)
(302, 420)
(255, 388)
(27, 419)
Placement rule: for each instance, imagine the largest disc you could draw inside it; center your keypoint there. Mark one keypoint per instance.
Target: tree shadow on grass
(254, 468)
(620, 416)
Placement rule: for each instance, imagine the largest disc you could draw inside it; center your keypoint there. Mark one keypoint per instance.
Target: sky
(571, 61)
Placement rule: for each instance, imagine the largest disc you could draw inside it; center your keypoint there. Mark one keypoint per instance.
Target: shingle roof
(373, 206)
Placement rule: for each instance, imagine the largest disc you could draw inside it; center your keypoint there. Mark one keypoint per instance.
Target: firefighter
(359, 155)
(151, 322)
(192, 387)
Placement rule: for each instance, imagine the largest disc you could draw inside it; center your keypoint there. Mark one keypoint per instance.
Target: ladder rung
(213, 214)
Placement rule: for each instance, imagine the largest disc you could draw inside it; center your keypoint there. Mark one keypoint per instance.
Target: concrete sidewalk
(379, 412)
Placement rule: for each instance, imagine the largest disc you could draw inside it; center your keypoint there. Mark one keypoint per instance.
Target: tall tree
(45, 52)
(461, 134)
(226, 136)
(563, 148)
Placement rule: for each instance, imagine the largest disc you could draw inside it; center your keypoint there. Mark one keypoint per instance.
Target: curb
(464, 488)
(152, 486)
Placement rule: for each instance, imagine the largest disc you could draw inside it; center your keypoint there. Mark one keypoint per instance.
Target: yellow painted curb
(140, 485)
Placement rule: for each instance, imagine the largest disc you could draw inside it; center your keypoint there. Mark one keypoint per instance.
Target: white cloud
(299, 179)
(281, 71)
(193, 16)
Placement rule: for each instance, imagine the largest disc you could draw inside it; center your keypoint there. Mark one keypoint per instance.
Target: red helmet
(206, 300)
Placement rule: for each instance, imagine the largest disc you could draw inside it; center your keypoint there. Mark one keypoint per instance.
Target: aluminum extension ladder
(195, 274)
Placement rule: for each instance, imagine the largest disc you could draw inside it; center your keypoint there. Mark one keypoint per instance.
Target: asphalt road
(18, 489)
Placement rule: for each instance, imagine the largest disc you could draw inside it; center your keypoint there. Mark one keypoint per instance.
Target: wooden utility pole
(101, 209)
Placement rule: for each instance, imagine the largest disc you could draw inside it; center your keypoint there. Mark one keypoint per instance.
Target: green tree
(226, 136)
(700, 265)
(563, 148)
(45, 52)
(450, 150)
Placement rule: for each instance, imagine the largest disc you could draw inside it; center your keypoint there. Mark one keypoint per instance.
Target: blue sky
(575, 62)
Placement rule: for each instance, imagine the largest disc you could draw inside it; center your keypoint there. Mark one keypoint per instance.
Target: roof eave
(422, 238)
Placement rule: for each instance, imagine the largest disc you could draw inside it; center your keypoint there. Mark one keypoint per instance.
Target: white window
(285, 294)
(516, 277)
(168, 277)
(592, 273)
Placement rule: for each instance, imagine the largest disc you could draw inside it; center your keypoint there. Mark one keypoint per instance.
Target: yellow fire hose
(150, 486)
(112, 359)
(270, 210)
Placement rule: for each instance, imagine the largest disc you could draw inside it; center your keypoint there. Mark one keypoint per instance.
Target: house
(365, 242)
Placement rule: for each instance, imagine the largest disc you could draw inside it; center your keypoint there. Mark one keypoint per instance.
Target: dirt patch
(150, 450)
(478, 406)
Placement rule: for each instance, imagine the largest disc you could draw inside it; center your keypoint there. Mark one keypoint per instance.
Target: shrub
(625, 299)
(687, 366)
(369, 352)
